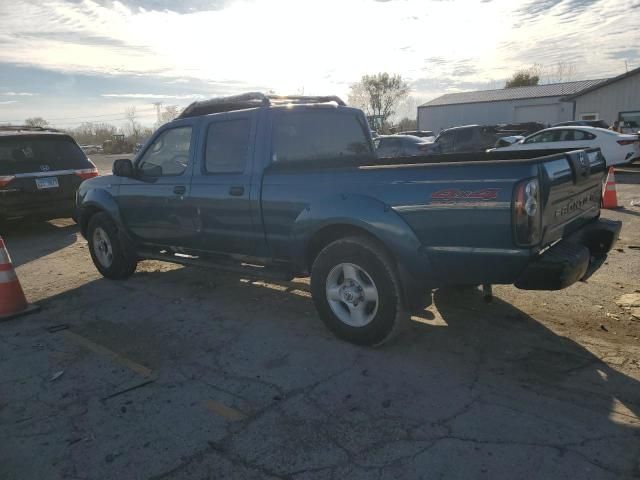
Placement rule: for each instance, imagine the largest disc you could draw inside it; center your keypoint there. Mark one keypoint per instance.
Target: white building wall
(547, 110)
(607, 102)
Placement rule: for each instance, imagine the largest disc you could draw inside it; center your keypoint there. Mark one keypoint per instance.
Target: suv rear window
(36, 153)
(318, 135)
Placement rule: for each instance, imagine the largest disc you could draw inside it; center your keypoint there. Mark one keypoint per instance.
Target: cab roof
(253, 100)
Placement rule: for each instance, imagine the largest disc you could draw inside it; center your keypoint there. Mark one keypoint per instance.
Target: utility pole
(158, 107)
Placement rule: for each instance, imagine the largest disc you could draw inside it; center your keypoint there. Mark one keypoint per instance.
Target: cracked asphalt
(184, 373)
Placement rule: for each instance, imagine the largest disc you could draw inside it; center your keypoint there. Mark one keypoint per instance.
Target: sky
(88, 60)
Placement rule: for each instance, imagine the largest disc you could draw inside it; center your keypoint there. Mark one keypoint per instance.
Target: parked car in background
(583, 123)
(629, 126)
(40, 172)
(426, 134)
(617, 148)
(91, 149)
(389, 146)
(510, 140)
(477, 138)
(290, 186)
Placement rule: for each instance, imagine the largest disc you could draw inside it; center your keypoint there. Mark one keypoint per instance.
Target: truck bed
(460, 210)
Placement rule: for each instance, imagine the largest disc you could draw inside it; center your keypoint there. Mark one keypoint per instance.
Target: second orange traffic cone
(12, 300)
(609, 195)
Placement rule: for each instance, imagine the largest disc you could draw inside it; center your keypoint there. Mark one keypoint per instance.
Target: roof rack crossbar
(252, 100)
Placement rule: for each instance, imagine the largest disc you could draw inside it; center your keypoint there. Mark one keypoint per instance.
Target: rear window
(32, 153)
(318, 135)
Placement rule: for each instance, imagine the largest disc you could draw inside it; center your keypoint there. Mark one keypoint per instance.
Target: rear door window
(544, 137)
(318, 135)
(39, 153)
(464, 139)
(227, 147)
(445, 141)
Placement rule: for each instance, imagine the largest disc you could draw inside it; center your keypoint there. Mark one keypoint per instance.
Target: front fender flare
(102, 200)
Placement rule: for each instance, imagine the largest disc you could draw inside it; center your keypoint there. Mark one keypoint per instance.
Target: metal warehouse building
(616, 99)
(547, 104)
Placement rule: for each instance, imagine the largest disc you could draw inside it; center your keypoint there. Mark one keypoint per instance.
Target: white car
(617, 148)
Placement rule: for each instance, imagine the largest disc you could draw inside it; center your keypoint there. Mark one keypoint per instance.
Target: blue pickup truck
(290, 186)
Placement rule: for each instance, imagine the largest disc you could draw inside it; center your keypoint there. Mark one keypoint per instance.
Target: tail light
(626, 142)
(6, 180)
(86, 173)
(423, 146)
(527, 212)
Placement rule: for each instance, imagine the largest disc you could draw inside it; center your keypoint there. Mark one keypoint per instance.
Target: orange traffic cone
(609, 195)
(12, 299)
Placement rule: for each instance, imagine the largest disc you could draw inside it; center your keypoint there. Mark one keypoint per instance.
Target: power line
(90, 117)
(106, 120)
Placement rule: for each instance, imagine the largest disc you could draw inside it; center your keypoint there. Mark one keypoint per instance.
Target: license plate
(47, 182)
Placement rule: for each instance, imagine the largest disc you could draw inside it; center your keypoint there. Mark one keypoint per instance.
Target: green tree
(379, 95)
(524, 78)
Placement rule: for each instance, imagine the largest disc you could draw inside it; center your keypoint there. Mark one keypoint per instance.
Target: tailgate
(572, 186)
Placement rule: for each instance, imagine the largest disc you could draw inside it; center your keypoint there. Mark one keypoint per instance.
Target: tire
(112, 254)
(341, 279)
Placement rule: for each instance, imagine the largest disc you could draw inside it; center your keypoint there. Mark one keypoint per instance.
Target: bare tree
(169, 113)
(379, 95)
(36, 122)
(408, 108)
(559, 73)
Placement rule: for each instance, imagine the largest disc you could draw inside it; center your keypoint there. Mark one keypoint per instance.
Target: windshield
(36, 153)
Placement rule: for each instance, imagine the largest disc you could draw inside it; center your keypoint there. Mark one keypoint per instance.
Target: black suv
(40, 172)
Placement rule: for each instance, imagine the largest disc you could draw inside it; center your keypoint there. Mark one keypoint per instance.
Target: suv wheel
(356, 290)
(112, 255)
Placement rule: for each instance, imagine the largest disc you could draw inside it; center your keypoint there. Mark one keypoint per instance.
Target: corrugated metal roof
(628, 74)
(515, 93)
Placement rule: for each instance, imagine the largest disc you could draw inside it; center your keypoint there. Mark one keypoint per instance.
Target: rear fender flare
(366, 213)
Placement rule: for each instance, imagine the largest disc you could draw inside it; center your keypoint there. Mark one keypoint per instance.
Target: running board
(256, 271)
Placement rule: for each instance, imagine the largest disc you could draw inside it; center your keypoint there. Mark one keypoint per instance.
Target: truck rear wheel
(113, 257)
(356, 291)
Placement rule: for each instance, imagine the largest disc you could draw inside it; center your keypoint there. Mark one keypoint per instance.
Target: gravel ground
(184, 373)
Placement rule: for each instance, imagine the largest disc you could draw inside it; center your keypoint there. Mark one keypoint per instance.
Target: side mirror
(123, 168)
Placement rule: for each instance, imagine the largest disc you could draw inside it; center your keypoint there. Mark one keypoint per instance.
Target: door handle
(179, 189)
(236, 191)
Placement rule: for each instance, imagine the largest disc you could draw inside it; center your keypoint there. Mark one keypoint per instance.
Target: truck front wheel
(356, 290)
(113, 257)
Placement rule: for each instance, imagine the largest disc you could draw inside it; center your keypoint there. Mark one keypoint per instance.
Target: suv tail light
(527, 212)
(87, 173)
(6, 180)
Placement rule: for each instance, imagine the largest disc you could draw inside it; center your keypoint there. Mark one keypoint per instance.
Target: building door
(547, 114)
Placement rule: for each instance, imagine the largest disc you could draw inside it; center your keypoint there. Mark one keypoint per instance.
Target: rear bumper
(52, 209)
(572, 259)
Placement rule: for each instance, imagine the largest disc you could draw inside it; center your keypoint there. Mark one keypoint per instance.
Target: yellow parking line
(224, 411)
(110, 354)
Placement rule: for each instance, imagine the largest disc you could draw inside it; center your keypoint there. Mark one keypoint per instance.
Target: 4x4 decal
(457, 194)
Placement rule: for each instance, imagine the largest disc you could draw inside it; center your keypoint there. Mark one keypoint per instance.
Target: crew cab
(291, 186)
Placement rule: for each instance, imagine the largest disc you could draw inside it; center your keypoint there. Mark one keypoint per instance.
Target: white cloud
(151, 96)
(8, 102)
(17, 94)
(323, 45)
